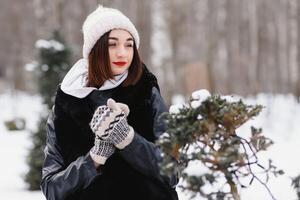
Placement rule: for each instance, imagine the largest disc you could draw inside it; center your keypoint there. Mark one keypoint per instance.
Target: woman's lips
(120, 64)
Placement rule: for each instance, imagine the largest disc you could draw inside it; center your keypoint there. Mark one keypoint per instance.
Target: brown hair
(99, 69)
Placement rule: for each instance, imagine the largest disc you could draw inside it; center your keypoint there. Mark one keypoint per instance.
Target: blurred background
(227, 46)
(241, 47)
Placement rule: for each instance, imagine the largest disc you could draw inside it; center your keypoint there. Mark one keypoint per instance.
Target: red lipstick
(120, 64)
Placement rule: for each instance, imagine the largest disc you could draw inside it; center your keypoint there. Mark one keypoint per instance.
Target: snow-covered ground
(14, 145)
(279, 121)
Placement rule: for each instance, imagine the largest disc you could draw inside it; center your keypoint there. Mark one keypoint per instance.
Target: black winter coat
(130, 173)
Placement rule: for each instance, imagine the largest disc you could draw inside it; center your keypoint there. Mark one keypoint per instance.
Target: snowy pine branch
(204, 130)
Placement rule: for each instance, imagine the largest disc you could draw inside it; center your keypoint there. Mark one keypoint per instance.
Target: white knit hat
(101, 21)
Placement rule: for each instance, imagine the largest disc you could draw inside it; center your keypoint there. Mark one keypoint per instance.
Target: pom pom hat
(101, 21)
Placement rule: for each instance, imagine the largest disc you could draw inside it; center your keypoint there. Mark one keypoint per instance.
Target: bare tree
(293, 75)
(247, 46)
(297, 92)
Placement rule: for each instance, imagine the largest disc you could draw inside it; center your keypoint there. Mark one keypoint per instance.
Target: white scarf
(74, 83)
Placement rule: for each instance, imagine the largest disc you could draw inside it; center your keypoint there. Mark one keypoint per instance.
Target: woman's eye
(111, 44)
(129, 45)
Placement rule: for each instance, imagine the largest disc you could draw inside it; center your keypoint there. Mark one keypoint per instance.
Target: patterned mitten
(110, 123)
(101, 150)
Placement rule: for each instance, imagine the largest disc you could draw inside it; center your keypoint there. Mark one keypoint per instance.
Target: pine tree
(296, 185)
(53, 63)
(201, 144)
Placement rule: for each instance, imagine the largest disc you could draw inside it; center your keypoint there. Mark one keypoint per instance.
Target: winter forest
(234, 49)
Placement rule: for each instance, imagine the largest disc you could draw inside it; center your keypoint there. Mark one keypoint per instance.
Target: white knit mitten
(101, 150)
(110, 124)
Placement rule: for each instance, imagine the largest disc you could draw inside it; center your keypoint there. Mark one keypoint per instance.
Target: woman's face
(120, 49)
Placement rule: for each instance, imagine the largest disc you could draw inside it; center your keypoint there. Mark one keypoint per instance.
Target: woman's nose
(121, 52)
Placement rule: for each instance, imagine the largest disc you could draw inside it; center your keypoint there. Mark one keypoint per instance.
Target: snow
(30, 67)
(279, 122)
(198, 97)
(48, 44)
(14, 145)
(175, 109)
(201, 95)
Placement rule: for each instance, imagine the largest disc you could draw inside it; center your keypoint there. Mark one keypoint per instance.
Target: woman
(101, 133)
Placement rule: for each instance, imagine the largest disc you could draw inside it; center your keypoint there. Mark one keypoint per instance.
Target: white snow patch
(48, 44)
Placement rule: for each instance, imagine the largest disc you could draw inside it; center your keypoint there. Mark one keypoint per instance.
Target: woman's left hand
(118, 106)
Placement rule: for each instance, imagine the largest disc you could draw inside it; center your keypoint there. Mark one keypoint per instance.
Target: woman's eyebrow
(114, 38)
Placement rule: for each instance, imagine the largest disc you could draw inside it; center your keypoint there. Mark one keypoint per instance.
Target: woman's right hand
(109, 122)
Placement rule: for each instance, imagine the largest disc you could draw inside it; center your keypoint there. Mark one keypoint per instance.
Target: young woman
(102, 131)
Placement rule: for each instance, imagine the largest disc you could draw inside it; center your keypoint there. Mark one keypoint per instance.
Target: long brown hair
(99, 69)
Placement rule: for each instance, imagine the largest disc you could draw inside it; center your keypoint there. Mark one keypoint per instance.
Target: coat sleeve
(145, 156)
(59, 180)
